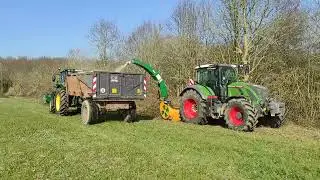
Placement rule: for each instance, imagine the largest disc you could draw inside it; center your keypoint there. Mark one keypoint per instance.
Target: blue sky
(51, 28)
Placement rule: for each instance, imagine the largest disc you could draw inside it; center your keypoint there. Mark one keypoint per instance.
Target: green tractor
(60, 99)
(218, 93)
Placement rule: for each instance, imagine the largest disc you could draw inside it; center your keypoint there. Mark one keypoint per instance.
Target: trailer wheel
(89, 112)
(52, 108)
(131, 115)
(62, 103)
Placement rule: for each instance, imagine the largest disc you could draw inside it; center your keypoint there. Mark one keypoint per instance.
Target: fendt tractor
(219, 94)
(95, 93)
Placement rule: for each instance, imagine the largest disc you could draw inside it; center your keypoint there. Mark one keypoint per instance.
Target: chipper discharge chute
(167, 111)
(95, 93)
(219, 94)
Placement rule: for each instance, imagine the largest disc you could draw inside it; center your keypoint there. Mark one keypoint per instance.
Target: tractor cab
(59, 76)
(217, 77)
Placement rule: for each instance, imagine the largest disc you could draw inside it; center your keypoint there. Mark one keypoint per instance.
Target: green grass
(37, 145)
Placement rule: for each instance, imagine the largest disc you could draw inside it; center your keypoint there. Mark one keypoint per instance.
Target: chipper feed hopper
(96, 92)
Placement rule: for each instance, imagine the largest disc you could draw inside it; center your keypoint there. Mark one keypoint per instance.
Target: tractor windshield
(202, 76)
(208, 77)
(216, 77)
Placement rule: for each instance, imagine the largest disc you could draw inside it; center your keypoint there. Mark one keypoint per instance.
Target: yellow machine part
(168, 112)
(58, 102)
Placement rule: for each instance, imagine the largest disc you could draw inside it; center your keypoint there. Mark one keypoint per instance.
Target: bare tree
(193, 19)
(249, 25)
(205, 11)
(313, 31)
(1, 79)
(104, 35)
(76, 58)
(5, 81)
(184, 19)
(142, 35)
(75, 55)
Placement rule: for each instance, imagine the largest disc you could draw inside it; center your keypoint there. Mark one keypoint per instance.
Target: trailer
(95, 93)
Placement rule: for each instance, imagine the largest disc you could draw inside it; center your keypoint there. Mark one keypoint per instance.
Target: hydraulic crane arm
(155, 75)
(167, 111)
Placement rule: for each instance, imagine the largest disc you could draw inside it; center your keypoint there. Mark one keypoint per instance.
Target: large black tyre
(192, 108)
(62, 103)
(52, 107)
(130, 116)
(240, 114)
(89, 112)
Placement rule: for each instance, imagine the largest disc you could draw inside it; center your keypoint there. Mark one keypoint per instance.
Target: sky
(36, 28)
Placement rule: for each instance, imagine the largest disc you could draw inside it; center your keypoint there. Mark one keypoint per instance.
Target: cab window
(202, 76)
(208, 77)
(228, 74)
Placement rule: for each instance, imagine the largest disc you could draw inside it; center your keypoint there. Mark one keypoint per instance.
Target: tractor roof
(215, 65)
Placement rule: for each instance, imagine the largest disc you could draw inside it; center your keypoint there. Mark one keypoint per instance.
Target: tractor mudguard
(203, 91)
(245, 90)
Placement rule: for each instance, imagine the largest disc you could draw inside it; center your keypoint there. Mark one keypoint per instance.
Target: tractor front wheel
(89, 112)
(62, 103)
(241, 115)
(192, 108)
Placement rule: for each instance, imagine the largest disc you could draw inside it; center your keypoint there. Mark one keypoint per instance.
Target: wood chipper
(95, 93)
(218, 93)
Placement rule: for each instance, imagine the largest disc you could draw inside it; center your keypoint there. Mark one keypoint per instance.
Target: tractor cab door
(227, 75)
(209, 77)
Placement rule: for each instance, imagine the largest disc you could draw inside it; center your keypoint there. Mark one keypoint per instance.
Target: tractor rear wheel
(52, 108)
(192, 108)
(89, 112)
(62, 103)
(241, 115)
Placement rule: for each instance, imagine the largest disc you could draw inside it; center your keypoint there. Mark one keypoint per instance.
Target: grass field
(37, 145)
